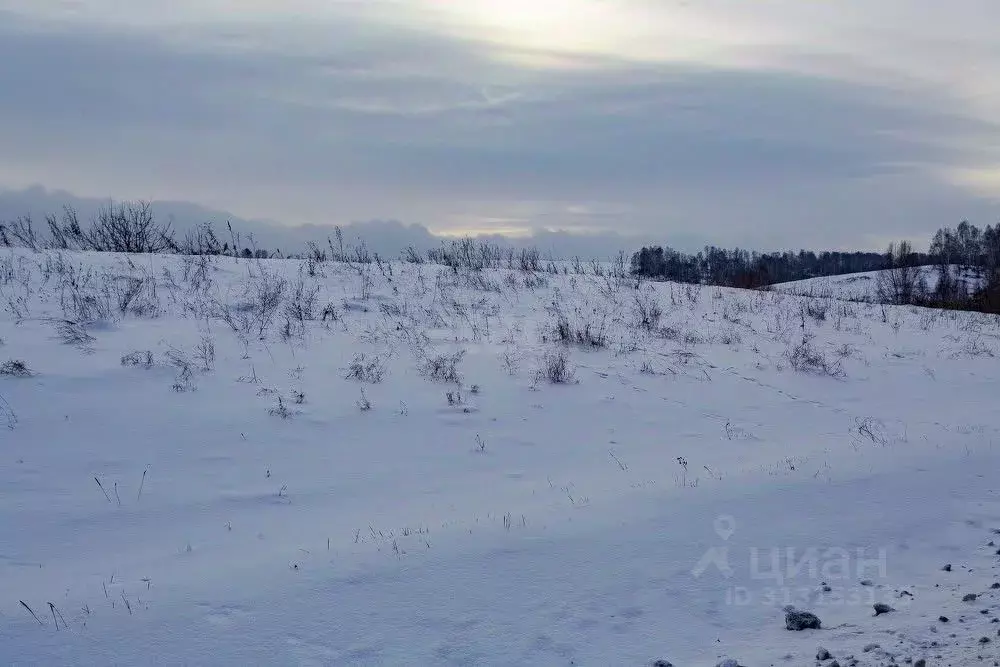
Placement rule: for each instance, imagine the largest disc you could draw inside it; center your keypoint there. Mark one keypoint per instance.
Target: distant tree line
(964, 263)
(975, 250)
(751, 269)
(964, 271)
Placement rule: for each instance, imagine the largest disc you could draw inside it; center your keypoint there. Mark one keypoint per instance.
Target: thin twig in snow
(55, 611)
(33, 614)
(102, 489)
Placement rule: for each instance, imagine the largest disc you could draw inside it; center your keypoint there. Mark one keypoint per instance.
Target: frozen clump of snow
(801, 620)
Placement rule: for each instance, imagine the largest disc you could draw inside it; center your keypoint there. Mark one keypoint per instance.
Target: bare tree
(902, 282)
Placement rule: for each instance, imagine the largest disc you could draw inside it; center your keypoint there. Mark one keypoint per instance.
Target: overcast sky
(764, 123)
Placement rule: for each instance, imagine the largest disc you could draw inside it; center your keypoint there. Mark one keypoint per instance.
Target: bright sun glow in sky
(534, 29)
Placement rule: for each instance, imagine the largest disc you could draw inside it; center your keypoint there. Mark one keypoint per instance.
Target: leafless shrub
(238, 316)
(267, 291)
(846, 351)
(330, 313)
(444, 367)
(313, 260)
(692, 338)
(804, 357)
(177, 358)
(126, 289)
(204, 353)
(7, 270)
(361, 255)
(555, 368)
(869, 429)
(263, 295)
(412, 256)
(669, 333)
(392, 309)
(20, 231)
(367, 281)
(281, 410)
(185, 370)
(535, 281)
(363, 403)
(72, 333)
(364, 368)
(509, 360)
(529, 260)
(686, 337)
(692, 293)
(467, 253)
(817, 309)
(648, 310)
(928, 319)
(135, 295)
(627, 344)
(588, 329)
(302, 303)
(972, 346)
(142, 358)
(85, 296)
(15, 368)
(201, 240)
(66, 234)
(292, 329)
(196, 271)
(481, 282)
(185, 380)
(619, 266)
(91, 308)
(128, 227)
(731, 337)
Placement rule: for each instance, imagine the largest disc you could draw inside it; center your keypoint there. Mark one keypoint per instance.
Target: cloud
(792, 127)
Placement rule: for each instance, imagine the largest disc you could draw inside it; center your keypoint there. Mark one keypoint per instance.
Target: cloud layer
(818, 124)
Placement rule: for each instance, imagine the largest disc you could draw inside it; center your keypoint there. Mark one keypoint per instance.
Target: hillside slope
(217, 461)
(864, 286)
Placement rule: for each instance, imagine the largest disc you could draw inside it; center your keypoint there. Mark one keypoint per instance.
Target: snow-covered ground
(864, 286)
(201, 468)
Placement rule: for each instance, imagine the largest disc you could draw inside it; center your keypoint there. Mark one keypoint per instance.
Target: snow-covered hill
(212, 461)
(864, 286)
